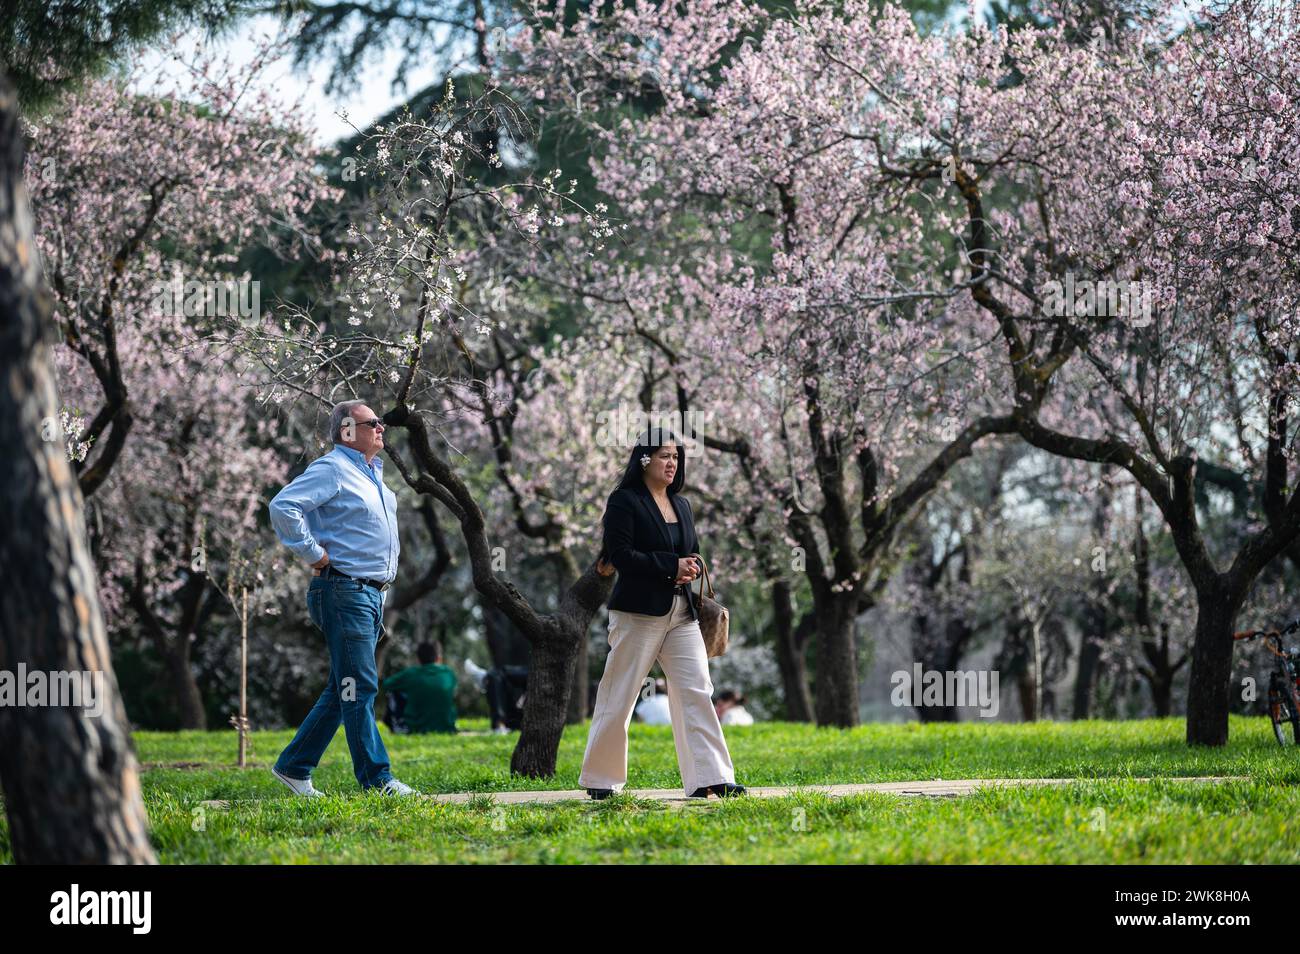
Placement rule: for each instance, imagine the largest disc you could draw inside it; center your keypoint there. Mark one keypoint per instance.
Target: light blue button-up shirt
(339, 504)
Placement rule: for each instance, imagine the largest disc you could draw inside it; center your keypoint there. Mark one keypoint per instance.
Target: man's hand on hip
(322, 562)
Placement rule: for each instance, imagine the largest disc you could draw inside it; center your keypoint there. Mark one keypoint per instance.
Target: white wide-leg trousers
(636, 641)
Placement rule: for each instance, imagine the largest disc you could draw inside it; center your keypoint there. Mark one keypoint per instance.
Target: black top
(640, 544)
(675, 533)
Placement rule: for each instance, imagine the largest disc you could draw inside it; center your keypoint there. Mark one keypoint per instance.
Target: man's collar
(359, 457)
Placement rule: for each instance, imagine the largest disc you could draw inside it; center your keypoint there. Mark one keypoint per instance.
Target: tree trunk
(1207, 692)
(578, 672)
(554, 637)
(1028, 690)
(580, 689)
(936, 713)
(505, 646)
(72, 794)
(1162, 690)
(925, 654)
(546, 703)
(790, 659)
(1036, 661)
(836, 701)
(407, 595)
(172, 644)
(1096, 618)
(243, 679)
(189, 700)
(1161, 668)
(1089, 659)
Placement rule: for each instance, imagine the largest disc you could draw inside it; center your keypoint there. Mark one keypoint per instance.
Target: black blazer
(638, 544)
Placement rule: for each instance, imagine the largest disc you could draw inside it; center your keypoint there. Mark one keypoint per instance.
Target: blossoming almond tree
(401, 326)
(143, 203)
(70, 784)
(546, 419)
(1059, 166)
(70, 779)
(781, 283)
(1117, 165)
(136, 193)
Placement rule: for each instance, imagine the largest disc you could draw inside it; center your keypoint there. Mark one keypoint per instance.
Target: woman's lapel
(682, 523)
(690, 536)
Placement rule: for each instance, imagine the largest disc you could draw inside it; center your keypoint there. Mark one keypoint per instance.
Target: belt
(330, 571)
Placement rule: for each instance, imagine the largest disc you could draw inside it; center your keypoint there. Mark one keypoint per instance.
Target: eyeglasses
(373, 422)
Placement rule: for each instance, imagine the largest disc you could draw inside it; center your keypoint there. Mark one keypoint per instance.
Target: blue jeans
(350, 614)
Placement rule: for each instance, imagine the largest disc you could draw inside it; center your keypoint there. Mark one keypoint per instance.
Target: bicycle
(1283, 683)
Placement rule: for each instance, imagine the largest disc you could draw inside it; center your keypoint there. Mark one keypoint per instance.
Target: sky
(372, 98)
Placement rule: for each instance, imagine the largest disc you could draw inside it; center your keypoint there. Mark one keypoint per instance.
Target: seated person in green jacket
(423, 698)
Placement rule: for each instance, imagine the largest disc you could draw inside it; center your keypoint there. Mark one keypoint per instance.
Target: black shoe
(599, 793)
(722, 790)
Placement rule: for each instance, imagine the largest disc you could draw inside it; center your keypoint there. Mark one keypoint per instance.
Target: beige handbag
(714, 618)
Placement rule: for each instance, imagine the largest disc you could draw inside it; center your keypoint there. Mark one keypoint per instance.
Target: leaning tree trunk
(71, 789)
(554, 637)
(1208, 688)
(546, 703)
(550, 676)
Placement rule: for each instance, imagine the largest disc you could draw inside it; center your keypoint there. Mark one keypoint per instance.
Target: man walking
(339, 517)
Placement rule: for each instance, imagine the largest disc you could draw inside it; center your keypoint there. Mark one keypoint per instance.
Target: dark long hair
(634, 473)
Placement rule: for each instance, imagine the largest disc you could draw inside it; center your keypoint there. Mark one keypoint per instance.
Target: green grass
(1115, 820)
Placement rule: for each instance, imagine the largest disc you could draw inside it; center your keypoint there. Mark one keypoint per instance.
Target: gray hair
(341, 411)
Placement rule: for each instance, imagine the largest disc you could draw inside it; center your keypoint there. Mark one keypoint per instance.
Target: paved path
(939, 788)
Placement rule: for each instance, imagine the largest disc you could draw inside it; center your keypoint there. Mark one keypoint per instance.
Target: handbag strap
(704, 578)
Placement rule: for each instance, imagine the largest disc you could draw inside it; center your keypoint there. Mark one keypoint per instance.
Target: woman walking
(649, 537)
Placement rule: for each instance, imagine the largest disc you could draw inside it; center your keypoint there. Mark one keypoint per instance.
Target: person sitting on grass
(423, 697)
(505, 687)
(653, 709)
(731, 708)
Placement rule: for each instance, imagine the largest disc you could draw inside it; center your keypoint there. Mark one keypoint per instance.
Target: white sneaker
(394, 787)
(300, 786)
(477, 673)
